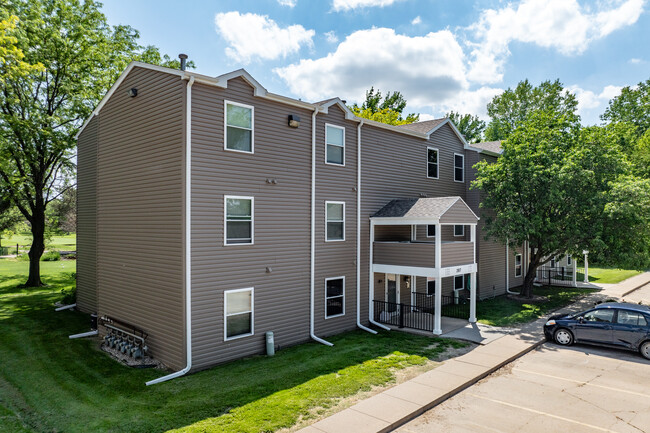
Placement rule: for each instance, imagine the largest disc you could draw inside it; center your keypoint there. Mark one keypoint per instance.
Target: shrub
(69, 296)
(51, 256)
(24, 257)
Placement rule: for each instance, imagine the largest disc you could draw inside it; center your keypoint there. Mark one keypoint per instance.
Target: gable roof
(421, 208)
(425, 126)
(493, 147)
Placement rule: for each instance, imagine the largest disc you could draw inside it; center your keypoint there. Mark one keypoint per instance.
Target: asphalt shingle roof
(416, 207)
(425, 126)
(490, 146)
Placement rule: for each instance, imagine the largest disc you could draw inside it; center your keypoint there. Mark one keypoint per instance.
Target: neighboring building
(264, 212)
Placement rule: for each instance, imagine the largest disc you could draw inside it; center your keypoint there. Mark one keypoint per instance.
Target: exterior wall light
(294, 120)
(133, 92)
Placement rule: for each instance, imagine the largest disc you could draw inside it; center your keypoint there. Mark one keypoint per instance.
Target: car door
(596, 326)
(629, 328)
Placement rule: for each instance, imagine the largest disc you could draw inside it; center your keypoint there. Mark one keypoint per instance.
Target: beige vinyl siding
(457, 214)
(394, 166)
(87, 218)
(517, 281)
(140, 210)
(405, 254)
(457, 253)
(334, 259)
(447, 234)
(281, 224)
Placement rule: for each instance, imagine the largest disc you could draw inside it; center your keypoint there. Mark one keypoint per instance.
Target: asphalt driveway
(575, 389)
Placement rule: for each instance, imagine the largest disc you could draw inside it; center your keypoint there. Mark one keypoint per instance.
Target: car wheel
(645, 349)
(564, 337)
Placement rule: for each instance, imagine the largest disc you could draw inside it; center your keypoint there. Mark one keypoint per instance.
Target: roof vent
(183, 58)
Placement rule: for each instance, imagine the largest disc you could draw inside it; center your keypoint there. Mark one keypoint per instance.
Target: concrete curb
(635, 289)
(460, 388)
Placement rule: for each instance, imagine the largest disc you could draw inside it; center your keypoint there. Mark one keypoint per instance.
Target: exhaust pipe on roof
(183, 58)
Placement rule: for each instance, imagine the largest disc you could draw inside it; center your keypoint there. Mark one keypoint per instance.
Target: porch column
(574, 280)
(586, 253)
(472, 290)
(437, 320)
(371, 275)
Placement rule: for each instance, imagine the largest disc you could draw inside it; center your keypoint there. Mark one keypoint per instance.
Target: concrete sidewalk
(399, 404)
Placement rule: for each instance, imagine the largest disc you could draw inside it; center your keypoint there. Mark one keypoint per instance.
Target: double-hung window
(239, 127)
(432, 163)
(334, 145)
(431, 230)
(238, 313)
(459, 167)
(335, 221)
(518, 265)
(239, 220)
(459, 230)
(334, 297)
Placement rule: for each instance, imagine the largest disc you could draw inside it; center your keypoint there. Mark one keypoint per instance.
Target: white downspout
(313, 230)
(359, 231)
(508, 291)
(188, 239)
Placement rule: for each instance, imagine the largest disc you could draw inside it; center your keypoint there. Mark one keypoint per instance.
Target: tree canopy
(631, 106)
(509, 109)
(471, 127)
(389, 110)
(64, 56)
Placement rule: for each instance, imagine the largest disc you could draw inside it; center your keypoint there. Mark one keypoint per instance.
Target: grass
(63, 242)
(610, 275)
(502, 311)
(51, 383)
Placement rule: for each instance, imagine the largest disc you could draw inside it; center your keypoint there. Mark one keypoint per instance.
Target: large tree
(631, 106)
(389, 110)
(550, 188)
(509, 109)
(70, 56)
(471, 127)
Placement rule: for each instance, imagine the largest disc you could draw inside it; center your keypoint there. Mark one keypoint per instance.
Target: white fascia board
(349, 115)
(405, 270)
(453, 128)
(483, 151)
(402, 221)
(258, 89)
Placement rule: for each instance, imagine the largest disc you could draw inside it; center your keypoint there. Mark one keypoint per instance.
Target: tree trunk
(529, 278)
(37, 248)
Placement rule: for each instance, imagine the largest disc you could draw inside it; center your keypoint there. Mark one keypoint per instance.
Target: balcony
(422, 254)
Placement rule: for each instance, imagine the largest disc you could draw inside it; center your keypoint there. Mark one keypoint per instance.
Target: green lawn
(502, 311)
(51, 383)
(610, 275)
(62, 243)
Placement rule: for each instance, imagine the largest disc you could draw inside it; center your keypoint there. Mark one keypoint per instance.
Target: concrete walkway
(399, 404)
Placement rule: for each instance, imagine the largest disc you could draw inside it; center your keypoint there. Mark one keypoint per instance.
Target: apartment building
(211, 211)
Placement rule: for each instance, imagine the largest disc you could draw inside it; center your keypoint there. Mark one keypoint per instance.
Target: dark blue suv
(613, 324)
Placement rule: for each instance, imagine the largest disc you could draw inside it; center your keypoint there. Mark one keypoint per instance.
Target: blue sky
(441, 54)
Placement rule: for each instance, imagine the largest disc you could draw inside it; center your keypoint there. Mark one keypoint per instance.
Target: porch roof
(442, 210)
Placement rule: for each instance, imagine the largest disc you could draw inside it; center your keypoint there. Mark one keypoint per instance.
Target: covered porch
(423, 263)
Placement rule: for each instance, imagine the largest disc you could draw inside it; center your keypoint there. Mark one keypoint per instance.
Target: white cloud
(290, 3)
(417, 20)
(346, 5)
(471, 101)
(563, 25)
(636, 61)
(426, 69)
(589, 100)
(257, 36)
(331, 37)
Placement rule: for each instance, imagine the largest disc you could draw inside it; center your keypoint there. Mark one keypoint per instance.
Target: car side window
(599, 316)
(630, 318)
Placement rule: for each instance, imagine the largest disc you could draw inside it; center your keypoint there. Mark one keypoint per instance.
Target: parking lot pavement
(640, 295)
(553, 388)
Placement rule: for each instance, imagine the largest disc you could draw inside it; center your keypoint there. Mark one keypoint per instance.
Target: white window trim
(334, 202)
(427, 288)
(437, 163)
(326, 144)
(225, 126)
(225, 219)
(520, 266)
(225, 314)
(456, 276)
(342, 277)
(427, 229)
(462, 156)
(460, 235)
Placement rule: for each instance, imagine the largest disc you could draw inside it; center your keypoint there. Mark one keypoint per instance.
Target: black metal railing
(420, 313)
(556, 276)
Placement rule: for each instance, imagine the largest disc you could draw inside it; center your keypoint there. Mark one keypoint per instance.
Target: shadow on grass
(72, 386)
